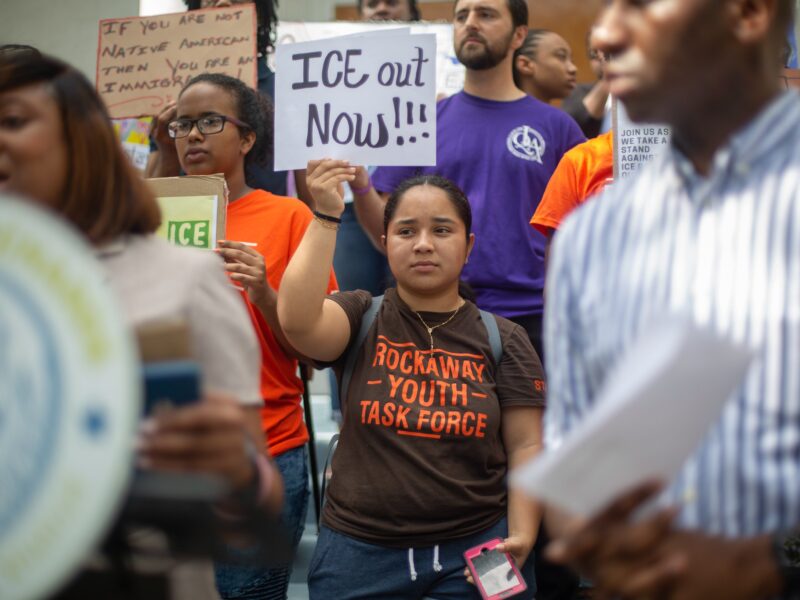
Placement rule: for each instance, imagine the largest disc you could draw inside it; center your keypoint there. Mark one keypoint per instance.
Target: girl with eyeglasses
(222, 126)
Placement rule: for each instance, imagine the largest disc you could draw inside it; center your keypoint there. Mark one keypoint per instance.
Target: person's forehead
(36, 95)
(425, 201)
(205, 97)
(552, 40)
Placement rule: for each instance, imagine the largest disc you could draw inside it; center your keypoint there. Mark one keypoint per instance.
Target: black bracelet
(325, 217)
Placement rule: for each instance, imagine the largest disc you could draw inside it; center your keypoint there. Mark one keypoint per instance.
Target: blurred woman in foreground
(58, 149)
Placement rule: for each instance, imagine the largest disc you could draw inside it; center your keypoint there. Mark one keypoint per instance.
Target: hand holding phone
(494, 572)
(170, 384)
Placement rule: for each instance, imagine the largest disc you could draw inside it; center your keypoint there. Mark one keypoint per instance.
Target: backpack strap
(490, 322)
(350, 362)
(325, 477)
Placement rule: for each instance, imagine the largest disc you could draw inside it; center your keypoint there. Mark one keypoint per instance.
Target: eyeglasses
(207, 125)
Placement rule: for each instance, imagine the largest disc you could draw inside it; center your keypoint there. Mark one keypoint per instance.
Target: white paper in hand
(653, 411)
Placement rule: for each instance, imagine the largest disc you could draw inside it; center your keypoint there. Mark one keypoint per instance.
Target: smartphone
(494, 572)
(170, 384)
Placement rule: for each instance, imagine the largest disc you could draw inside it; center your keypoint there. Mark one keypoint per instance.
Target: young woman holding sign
(222, 126)
(58, 148)
(433, 417)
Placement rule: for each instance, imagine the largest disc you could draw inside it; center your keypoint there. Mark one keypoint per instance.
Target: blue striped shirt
(724, 250)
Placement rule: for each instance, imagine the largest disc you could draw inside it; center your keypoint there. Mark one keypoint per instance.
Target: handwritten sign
(366, 98)
(449, 71)
(144, 62)
(193, 209)
(635, 144)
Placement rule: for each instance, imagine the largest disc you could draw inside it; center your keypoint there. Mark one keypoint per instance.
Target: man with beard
(500, 146)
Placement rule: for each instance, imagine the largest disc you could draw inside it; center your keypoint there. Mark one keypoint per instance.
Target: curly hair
(266, 16)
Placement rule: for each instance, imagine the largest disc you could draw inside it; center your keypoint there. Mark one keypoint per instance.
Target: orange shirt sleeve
(560, 197)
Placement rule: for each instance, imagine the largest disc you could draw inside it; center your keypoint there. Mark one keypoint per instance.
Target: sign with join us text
(144, 62)
(635, 144)
(368, 98)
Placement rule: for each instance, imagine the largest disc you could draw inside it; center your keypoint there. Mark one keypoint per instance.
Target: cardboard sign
(366, 98)
(144, 62)
(635, 144)
(69, 402)
(449, 71)
(193, 209)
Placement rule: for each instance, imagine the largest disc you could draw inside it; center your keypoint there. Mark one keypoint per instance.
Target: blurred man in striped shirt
(709, 230)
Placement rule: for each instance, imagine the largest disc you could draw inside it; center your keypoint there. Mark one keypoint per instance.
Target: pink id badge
(495, 574)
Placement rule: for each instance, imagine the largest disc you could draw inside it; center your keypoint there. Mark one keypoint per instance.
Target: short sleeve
(559, 199)
(222, 335)
(519, 376)
(354, 304)
(386, 179)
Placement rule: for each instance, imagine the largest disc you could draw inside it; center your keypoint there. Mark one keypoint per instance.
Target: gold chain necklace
(431, 329)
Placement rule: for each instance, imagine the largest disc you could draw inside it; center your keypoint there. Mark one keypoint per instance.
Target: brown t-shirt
(421, 457)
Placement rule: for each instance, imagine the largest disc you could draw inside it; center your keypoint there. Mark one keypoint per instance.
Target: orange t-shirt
(275, 224)
(582, 173)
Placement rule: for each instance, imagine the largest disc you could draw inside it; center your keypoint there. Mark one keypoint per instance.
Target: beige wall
(64, 28)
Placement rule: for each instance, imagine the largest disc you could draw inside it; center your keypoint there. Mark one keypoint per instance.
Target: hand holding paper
(654, 409)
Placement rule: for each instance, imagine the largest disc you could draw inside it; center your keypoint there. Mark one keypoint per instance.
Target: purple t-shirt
(502, 155)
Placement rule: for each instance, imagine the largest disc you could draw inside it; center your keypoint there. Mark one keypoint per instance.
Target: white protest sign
(635, 144)
(449, 71)
(369, 99)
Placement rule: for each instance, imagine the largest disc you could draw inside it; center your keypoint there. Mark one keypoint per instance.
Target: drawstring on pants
(412, 571)
(437, 566)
